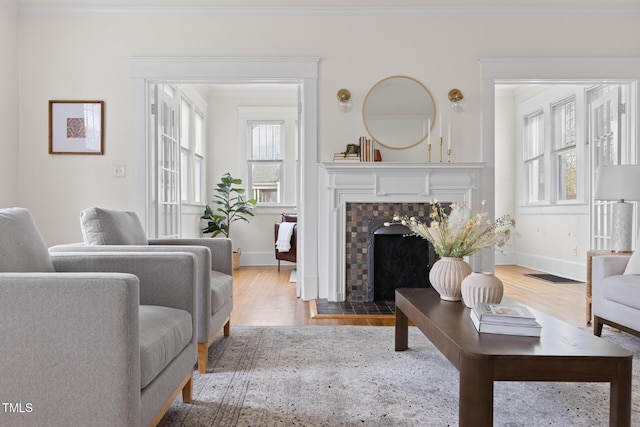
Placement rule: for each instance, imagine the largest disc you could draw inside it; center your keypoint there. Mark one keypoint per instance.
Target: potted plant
(232, 207)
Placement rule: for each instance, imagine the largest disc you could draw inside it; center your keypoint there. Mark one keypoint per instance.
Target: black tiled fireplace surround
(356, 226)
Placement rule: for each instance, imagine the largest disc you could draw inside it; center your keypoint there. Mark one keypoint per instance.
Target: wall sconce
(457, 100)
(344, 100)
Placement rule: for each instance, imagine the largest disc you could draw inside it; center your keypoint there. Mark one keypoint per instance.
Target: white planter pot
(446, 277)
(481, 287)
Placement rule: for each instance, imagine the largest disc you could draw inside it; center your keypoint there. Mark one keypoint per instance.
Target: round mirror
(397, 112)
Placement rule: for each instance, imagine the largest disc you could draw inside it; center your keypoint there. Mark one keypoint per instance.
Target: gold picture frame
(76, 127)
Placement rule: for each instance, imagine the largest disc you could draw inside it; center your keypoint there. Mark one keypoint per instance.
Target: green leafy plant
(232, 206)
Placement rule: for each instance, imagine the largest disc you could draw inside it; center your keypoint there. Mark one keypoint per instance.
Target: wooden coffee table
(562, 353)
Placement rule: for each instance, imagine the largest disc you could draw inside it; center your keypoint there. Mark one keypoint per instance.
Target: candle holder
(441, 140)
(429, 153)
(449, 155)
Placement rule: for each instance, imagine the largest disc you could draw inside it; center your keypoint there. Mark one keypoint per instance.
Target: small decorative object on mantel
(367, 149)
(363, 151)
(455, 235)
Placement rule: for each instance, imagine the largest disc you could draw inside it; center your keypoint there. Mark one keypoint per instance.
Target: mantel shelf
(337, 166)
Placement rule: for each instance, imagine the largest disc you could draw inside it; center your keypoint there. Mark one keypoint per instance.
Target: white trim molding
(300, 70)
(34, 9)
(387, 182)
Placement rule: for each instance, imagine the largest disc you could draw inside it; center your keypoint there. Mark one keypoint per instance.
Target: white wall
(85, 57)
(505, 147)
(8, 105)
(547, 237)
(229, 109)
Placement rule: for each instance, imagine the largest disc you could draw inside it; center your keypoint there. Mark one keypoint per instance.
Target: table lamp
(621, 182)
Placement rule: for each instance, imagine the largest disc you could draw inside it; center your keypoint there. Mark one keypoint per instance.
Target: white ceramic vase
(446, 277)
(481, 287)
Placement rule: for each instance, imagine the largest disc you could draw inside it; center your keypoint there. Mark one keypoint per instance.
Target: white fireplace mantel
(342, 183)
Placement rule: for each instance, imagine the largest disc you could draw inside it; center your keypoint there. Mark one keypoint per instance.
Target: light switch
(119, 171)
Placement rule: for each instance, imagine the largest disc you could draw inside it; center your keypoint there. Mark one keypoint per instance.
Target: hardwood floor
(264, 296)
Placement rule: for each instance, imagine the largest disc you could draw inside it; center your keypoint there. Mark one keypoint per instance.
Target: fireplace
(359, 216)
(396, 259)
(353, 194)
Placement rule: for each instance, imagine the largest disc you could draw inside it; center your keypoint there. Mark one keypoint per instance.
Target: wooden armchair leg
(597, 326)
(187, 395)
(227, 328)
(187, 390)
(203, 356)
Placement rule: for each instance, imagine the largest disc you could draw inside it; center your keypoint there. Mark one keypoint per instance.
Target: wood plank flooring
(264, 296)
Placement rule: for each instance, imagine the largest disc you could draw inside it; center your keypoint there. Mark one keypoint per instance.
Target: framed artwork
(76, 127)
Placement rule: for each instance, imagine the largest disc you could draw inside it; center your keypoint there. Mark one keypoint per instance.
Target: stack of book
(366, 152)
(505, 319)
(367, 149)
(348, 158)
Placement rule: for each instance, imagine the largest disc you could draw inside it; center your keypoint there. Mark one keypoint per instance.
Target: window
(185, 128)
(266, 161)
(198, 154)
(534, 157)
(191, 152)
(555, 148)
(564, 149)
(612, 143)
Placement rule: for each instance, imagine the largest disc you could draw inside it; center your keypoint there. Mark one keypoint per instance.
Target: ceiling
(439, 4)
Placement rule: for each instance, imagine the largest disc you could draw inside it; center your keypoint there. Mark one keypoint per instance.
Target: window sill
(560, 209)
(275, 210)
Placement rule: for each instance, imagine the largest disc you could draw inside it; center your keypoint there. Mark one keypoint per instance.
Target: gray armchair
(110, 230)
(97, 339)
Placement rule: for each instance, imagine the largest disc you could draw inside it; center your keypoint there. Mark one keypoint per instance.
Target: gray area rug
(351, 376)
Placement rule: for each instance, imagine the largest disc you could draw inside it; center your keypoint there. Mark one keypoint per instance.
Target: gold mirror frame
(399, 104)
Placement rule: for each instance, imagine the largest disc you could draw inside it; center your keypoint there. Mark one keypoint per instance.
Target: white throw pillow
(633, 266)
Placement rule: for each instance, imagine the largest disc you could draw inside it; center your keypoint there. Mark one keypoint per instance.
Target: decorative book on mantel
(347, 158)
(505, 319)
(364, 151)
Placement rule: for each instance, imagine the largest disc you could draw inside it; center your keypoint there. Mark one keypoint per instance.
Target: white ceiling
(444, 4)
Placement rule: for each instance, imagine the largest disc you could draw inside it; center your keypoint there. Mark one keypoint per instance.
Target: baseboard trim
(570, 269)
(260, 259)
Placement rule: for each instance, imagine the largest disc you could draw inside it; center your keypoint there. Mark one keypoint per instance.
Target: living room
(88, 51)
(34, 42)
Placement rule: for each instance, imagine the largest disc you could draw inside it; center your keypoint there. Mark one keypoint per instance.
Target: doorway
(591, 75)
(300, 71)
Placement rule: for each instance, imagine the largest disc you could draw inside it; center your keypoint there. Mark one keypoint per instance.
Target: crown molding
(132, 11)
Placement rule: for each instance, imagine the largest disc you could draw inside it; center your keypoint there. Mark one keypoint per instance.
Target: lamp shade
(621, 182)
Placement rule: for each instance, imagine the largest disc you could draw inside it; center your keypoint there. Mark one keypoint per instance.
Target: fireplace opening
(396, 260)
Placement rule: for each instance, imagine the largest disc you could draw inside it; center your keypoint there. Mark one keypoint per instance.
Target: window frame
(544, 102)
(558, 151)
(189, 157)
(281, 161)
(532, 156)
